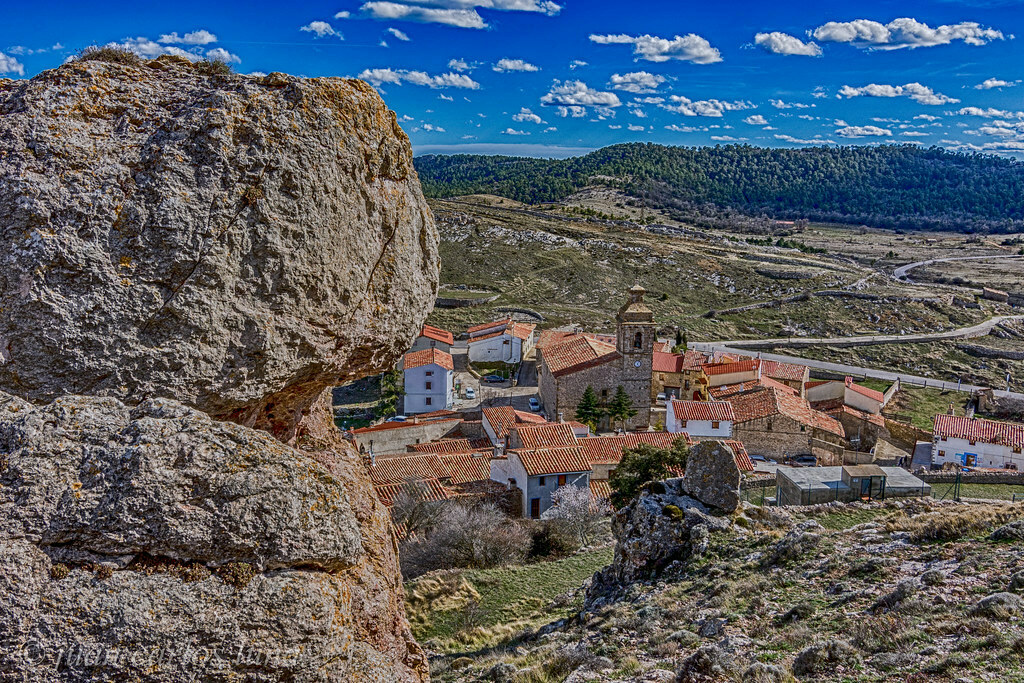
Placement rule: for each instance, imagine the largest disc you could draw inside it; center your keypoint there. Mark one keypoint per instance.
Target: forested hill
(901, 186)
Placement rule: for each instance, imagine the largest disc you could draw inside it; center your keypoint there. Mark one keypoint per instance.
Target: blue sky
(557, 77)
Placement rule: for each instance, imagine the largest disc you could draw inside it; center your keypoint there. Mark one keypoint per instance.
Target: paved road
(853, 370)
(979, 330)
(901, 272)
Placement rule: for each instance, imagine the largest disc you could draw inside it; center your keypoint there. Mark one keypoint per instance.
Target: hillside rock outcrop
(187, 262)
(235, 243)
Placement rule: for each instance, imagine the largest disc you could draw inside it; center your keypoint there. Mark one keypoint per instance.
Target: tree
(644, 464)
(589, 410)
(387, 404)
(621, 408)
(574, 512)
(414, 509)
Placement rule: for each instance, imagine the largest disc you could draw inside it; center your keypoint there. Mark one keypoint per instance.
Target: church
(569, 362)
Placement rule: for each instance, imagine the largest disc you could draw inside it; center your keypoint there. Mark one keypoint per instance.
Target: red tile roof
(400, 469)
(773, 401)
(577, 353)
(501, 419)
(816, 383)
(463, 468)
(385, 426)
(429, 357)
(486, 326)
(600, 489)
(437, 334)
(553, 460)
(667, 362)
(873, 394)
(444, 446)
(552, 435)
(783, 371)
(739, 451)
(726, 391)
(718, 411)
(522, 330)
(432, 489)
(529, 418)
(437, 414)
(607, 450)
(730, 368)
(662, 347)
(978, 429)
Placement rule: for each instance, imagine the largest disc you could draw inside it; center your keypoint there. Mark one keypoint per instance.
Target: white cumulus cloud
(779, 104)
(321, 28)
(991, 113)
(903, 33)
(915, 91)
(526, 115)
(578, 94)
(688, 48)
(10, 65)
(639, 82)
(513, 131)
(459, 65)
(462, 18)
(713, 108)
(401, 35)
(785, 44)
(990, 83)
(399, 76)
(863, 131)
(503, 65)
(756, 120)
(219, 54)
(804, 141)
(635, 128)
(200, 37)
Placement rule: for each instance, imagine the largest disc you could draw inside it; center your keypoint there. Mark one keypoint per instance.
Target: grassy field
(920, 406)
(471, 610)
(980, 491)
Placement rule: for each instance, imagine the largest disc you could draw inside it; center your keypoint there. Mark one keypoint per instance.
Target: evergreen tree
(644, 464)
(621, 408)
(589, 410)
(387, 404)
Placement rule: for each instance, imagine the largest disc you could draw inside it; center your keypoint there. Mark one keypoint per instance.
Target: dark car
(494, 379)
(805, 461)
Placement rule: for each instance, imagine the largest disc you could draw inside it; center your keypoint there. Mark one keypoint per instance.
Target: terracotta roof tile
(551, 435)
(501, 419)
(444, 446)
(773, 401)
(873, 394)
(387, 426)
(428, 357)
(400, 469)
(783, 371)
(667, 362)
(607, 450)
(718, 411)
(730, 368)
(979, 430)
(529, 418)
(486, 326)
(432, 489)
(600, 489)
(576, 353)
(522, 330)
(437, 334)
(740, 455)
(464, 468)
(553, 460)
(727, 391)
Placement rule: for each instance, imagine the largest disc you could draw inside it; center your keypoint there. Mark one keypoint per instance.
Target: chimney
(499, 450)
(951, 410)
(561, 416)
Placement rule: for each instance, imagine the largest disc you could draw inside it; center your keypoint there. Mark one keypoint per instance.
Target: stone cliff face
(187, 262)
(238, 244)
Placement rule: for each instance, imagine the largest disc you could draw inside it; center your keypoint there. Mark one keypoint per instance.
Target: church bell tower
(635, 337)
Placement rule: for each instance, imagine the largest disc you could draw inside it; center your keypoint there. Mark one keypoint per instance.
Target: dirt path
(901, 272)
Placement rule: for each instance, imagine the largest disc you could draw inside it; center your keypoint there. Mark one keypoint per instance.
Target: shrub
(465, 536)
(59, 571)
(644, 464)
(213, 67)
(825, 657)
(550, 541)
(708, 663)
(1000, 606)
(237, 574)
(759, 672)
(574, 512)
(798, 612)
(112, 54)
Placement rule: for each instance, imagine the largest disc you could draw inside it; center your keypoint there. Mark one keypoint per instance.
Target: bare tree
(413, 508)
(573, 510)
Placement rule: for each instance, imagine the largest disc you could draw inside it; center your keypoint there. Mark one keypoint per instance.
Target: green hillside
(892, 186)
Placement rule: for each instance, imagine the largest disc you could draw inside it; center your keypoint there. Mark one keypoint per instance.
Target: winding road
(901, 272)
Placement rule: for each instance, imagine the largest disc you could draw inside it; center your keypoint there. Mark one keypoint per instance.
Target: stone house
(571, 363)
(790, 374)
(850, 393)
(679, 375)
(779, 424)
(505, 341)
(431, 337)
(540, 472)
(700, 419)
(733, 372)
(499, 421)
(429, 377)
(397, 437)
(976, 442)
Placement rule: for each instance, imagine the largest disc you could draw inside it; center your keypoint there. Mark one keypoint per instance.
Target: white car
(470, 392)
(534, 404)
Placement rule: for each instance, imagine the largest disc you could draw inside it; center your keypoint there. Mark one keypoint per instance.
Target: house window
(638, 340)
(428, 373)
(1016, 450)
(604, 393)
(686, 384)
(429, 401)
(561, 480)
(942, 454)
(428, 385)
(543, 481)
(714, 425)
(971, 442)
(535, 508)
(682, 424)
(803, 428)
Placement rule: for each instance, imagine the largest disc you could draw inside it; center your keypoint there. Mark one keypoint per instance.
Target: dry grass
(108, 53)
(953, 524)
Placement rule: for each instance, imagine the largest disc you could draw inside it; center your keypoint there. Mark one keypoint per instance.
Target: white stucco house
(700, 419)
(429, 381)
(538, 473)
(854, 395)
(976, 442)
(501, 341)
(734, 372)
(431, 337)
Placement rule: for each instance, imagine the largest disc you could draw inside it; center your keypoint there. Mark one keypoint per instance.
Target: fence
(976, 486)
(758, 491)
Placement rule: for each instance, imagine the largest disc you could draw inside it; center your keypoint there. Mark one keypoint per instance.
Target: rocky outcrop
(712, 476)
(662, 527)
(235, 243)
(187, 262)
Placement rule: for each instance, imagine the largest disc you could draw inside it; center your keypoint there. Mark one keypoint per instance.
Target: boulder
(236, 243)
(712, 476)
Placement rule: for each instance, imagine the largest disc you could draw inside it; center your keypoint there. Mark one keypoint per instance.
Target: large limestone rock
(712, 476)
(186, 263)
(235, 243)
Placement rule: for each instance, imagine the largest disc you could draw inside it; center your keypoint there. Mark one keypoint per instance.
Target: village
(512, 414)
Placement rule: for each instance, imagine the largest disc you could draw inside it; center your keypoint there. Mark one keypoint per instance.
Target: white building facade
(700, 419)
(429, 381)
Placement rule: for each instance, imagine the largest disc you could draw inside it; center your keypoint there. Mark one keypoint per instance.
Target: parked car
(494, 379)
(805, 461)
(761, 458)
(661, 398)
(470, 392)
(534, 404)
(396, 418)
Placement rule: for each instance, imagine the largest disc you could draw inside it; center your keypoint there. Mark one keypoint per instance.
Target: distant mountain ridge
(892, 186)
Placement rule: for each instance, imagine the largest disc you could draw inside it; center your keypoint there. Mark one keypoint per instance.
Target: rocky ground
(898, 591)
